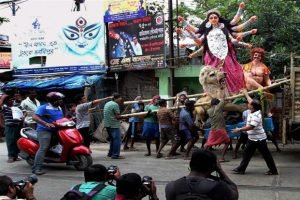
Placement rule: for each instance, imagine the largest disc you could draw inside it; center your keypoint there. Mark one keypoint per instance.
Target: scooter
(70, 149)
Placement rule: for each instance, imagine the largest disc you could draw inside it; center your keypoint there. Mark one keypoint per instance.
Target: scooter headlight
(67, 124)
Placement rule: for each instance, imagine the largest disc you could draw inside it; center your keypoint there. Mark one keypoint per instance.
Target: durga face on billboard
(81, 38)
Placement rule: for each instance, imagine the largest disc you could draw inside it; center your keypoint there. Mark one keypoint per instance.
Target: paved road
(252, 185)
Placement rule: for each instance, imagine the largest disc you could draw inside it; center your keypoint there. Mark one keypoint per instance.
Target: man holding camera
(200, 183)
(131, 186)
(12, 190)
(95, 176)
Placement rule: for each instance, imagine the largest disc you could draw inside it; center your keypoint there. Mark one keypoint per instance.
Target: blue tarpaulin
(76, 81)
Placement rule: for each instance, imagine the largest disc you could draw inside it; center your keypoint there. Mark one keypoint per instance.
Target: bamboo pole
(206, 103)
(202, 94)
(167, 99)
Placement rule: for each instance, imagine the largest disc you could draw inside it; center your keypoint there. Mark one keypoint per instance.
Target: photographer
(11, 190)
(200, 182)
(131, 187)
(95, 177)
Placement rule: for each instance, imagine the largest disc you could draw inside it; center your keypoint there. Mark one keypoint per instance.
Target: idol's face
(257, 56)
(83, 37)
(213, 19)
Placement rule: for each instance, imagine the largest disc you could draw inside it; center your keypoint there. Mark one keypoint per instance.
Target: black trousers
(85, 133)
(12, 134)
(263, 149)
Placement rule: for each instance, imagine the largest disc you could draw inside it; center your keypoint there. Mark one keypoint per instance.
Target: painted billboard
(120, 10)
(5, 60)
(64, 43)
(136, 44)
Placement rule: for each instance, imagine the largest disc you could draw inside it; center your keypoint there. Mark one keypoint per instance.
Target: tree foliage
(3, 19)
(278, 27)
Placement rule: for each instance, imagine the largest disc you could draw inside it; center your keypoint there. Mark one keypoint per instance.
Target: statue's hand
(253, 18)
(179, 30)
(242, 5)
(253, 31)
(248, 45)
(180, 19)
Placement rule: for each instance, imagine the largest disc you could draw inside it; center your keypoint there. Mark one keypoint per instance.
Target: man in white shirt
(30, 105)
(136, 46)
(256, 138)
(83, 118)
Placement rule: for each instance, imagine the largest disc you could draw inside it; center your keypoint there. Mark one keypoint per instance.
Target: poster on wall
(137, 44)
(120, 10)
(5, 60)
(73, 42)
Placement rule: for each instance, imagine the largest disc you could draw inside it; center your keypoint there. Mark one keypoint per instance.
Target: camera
(147, 180)
(111, 170)
(21, 183)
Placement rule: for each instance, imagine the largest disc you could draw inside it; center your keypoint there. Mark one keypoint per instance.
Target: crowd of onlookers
(105, 183)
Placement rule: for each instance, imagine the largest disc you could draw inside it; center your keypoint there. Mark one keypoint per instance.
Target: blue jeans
(114, 135)
(44, 138)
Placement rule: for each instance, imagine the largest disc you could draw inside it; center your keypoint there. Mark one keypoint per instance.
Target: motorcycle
(70, 149)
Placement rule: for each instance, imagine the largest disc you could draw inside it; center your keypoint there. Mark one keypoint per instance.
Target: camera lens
(112, 169)
(21, 183)
(147, 180)
(32, 179)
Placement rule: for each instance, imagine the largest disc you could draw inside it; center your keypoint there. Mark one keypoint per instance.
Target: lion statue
(213, 83)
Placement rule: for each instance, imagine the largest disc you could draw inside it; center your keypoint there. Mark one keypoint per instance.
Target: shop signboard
(137, 44)
(120, 10)
(60, 43)
(5, 60)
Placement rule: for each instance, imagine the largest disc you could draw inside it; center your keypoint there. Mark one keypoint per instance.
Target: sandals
(117, 157)
(237, 171)
(170, 157)
(133, 149)
(159, 155)
(223, 160)
(271, 173)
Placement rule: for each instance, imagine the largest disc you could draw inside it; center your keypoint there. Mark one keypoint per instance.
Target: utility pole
(177, 36)
(13, 7)
(77, 6)
(171, 47)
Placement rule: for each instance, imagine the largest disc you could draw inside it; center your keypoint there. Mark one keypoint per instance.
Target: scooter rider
(45, 116)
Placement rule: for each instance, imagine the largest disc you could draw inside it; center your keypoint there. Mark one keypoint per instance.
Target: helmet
(54, 96)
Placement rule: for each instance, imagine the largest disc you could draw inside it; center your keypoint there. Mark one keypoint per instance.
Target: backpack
(190, 195)
(75, 194)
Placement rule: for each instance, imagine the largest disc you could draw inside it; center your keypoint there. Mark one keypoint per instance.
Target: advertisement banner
(137, 44)
(120, 10)
(5, 60)
(64, 43)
